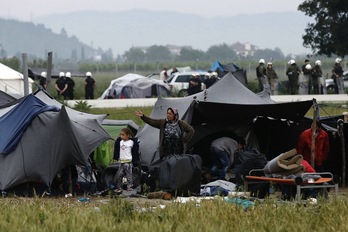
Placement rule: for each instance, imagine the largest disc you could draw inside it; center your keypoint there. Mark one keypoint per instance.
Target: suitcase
(181, 174)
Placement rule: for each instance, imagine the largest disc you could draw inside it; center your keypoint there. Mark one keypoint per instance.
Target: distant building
(244, 49)
(174, 49)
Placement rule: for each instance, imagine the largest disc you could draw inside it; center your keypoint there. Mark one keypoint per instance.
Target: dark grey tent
(50, 142)
(228, 108)
(5, 98)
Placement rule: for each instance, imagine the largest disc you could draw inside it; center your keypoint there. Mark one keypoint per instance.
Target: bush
(82, 106)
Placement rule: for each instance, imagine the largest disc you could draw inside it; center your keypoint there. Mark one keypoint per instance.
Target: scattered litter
(132, 193)
(150, 209)
(239, 194)
(312, 201)
(83, 199)
(245, 203)
(218, 187)
(194, 199)
(68, 195)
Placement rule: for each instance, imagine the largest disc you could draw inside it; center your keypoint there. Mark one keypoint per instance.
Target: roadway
(145, 102)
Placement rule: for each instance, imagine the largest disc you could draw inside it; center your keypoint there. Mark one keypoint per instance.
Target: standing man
(163, 74)
(61, 86)
(71, 85)
(43, 81)
(321, 149)
(195, 84)
(293, 72)
(210, 79)
(89, 86)
(207, 81)
(309, 78)
(337, 73)
(272, 78)
(261, 74)
(317, 74)
(175, 70)
(304, 80)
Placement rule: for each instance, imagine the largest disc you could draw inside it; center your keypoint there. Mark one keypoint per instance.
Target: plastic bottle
(83, 199)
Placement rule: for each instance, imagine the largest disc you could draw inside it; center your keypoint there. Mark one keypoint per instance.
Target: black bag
(246, 160)
(181, 174)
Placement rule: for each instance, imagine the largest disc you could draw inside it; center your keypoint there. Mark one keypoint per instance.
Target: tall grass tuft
(118, 214)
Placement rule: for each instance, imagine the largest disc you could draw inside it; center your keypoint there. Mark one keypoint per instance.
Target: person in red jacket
(322, 146)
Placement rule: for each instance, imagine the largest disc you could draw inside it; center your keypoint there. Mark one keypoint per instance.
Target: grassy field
(139, 214)
(103, 81)
(117, 214)
(127, 113)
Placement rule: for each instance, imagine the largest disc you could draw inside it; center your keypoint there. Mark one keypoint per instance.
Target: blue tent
(13, 126)
(223, 69)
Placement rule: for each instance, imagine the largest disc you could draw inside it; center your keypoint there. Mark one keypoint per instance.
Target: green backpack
(103, 155)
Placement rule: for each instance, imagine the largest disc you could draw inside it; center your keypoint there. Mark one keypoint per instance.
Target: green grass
(66, 214)
(111, 214)
(122, 113)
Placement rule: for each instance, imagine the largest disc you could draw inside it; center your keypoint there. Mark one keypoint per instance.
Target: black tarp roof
(205, 112)
(227, 108)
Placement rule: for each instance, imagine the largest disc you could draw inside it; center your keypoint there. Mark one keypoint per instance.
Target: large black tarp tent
(228, 108)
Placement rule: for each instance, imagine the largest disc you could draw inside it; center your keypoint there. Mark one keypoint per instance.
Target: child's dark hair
(240, 140)
(127, 131)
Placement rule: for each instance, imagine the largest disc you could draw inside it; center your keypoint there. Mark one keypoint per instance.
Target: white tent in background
(12, 82)
(134, 85)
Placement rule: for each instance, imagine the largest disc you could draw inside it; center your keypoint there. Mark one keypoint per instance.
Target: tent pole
(340, 126)
(49, 70)
(69, 181)
(314, 127)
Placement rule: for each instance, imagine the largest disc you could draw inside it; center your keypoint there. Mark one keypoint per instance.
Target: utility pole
(49, 70)
(25, 73)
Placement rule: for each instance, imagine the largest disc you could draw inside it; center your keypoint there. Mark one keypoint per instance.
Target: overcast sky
(29, 9)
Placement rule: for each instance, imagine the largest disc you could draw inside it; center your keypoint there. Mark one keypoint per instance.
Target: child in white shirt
(126, 153)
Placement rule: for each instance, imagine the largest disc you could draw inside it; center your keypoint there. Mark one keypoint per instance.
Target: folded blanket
(285, 164)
